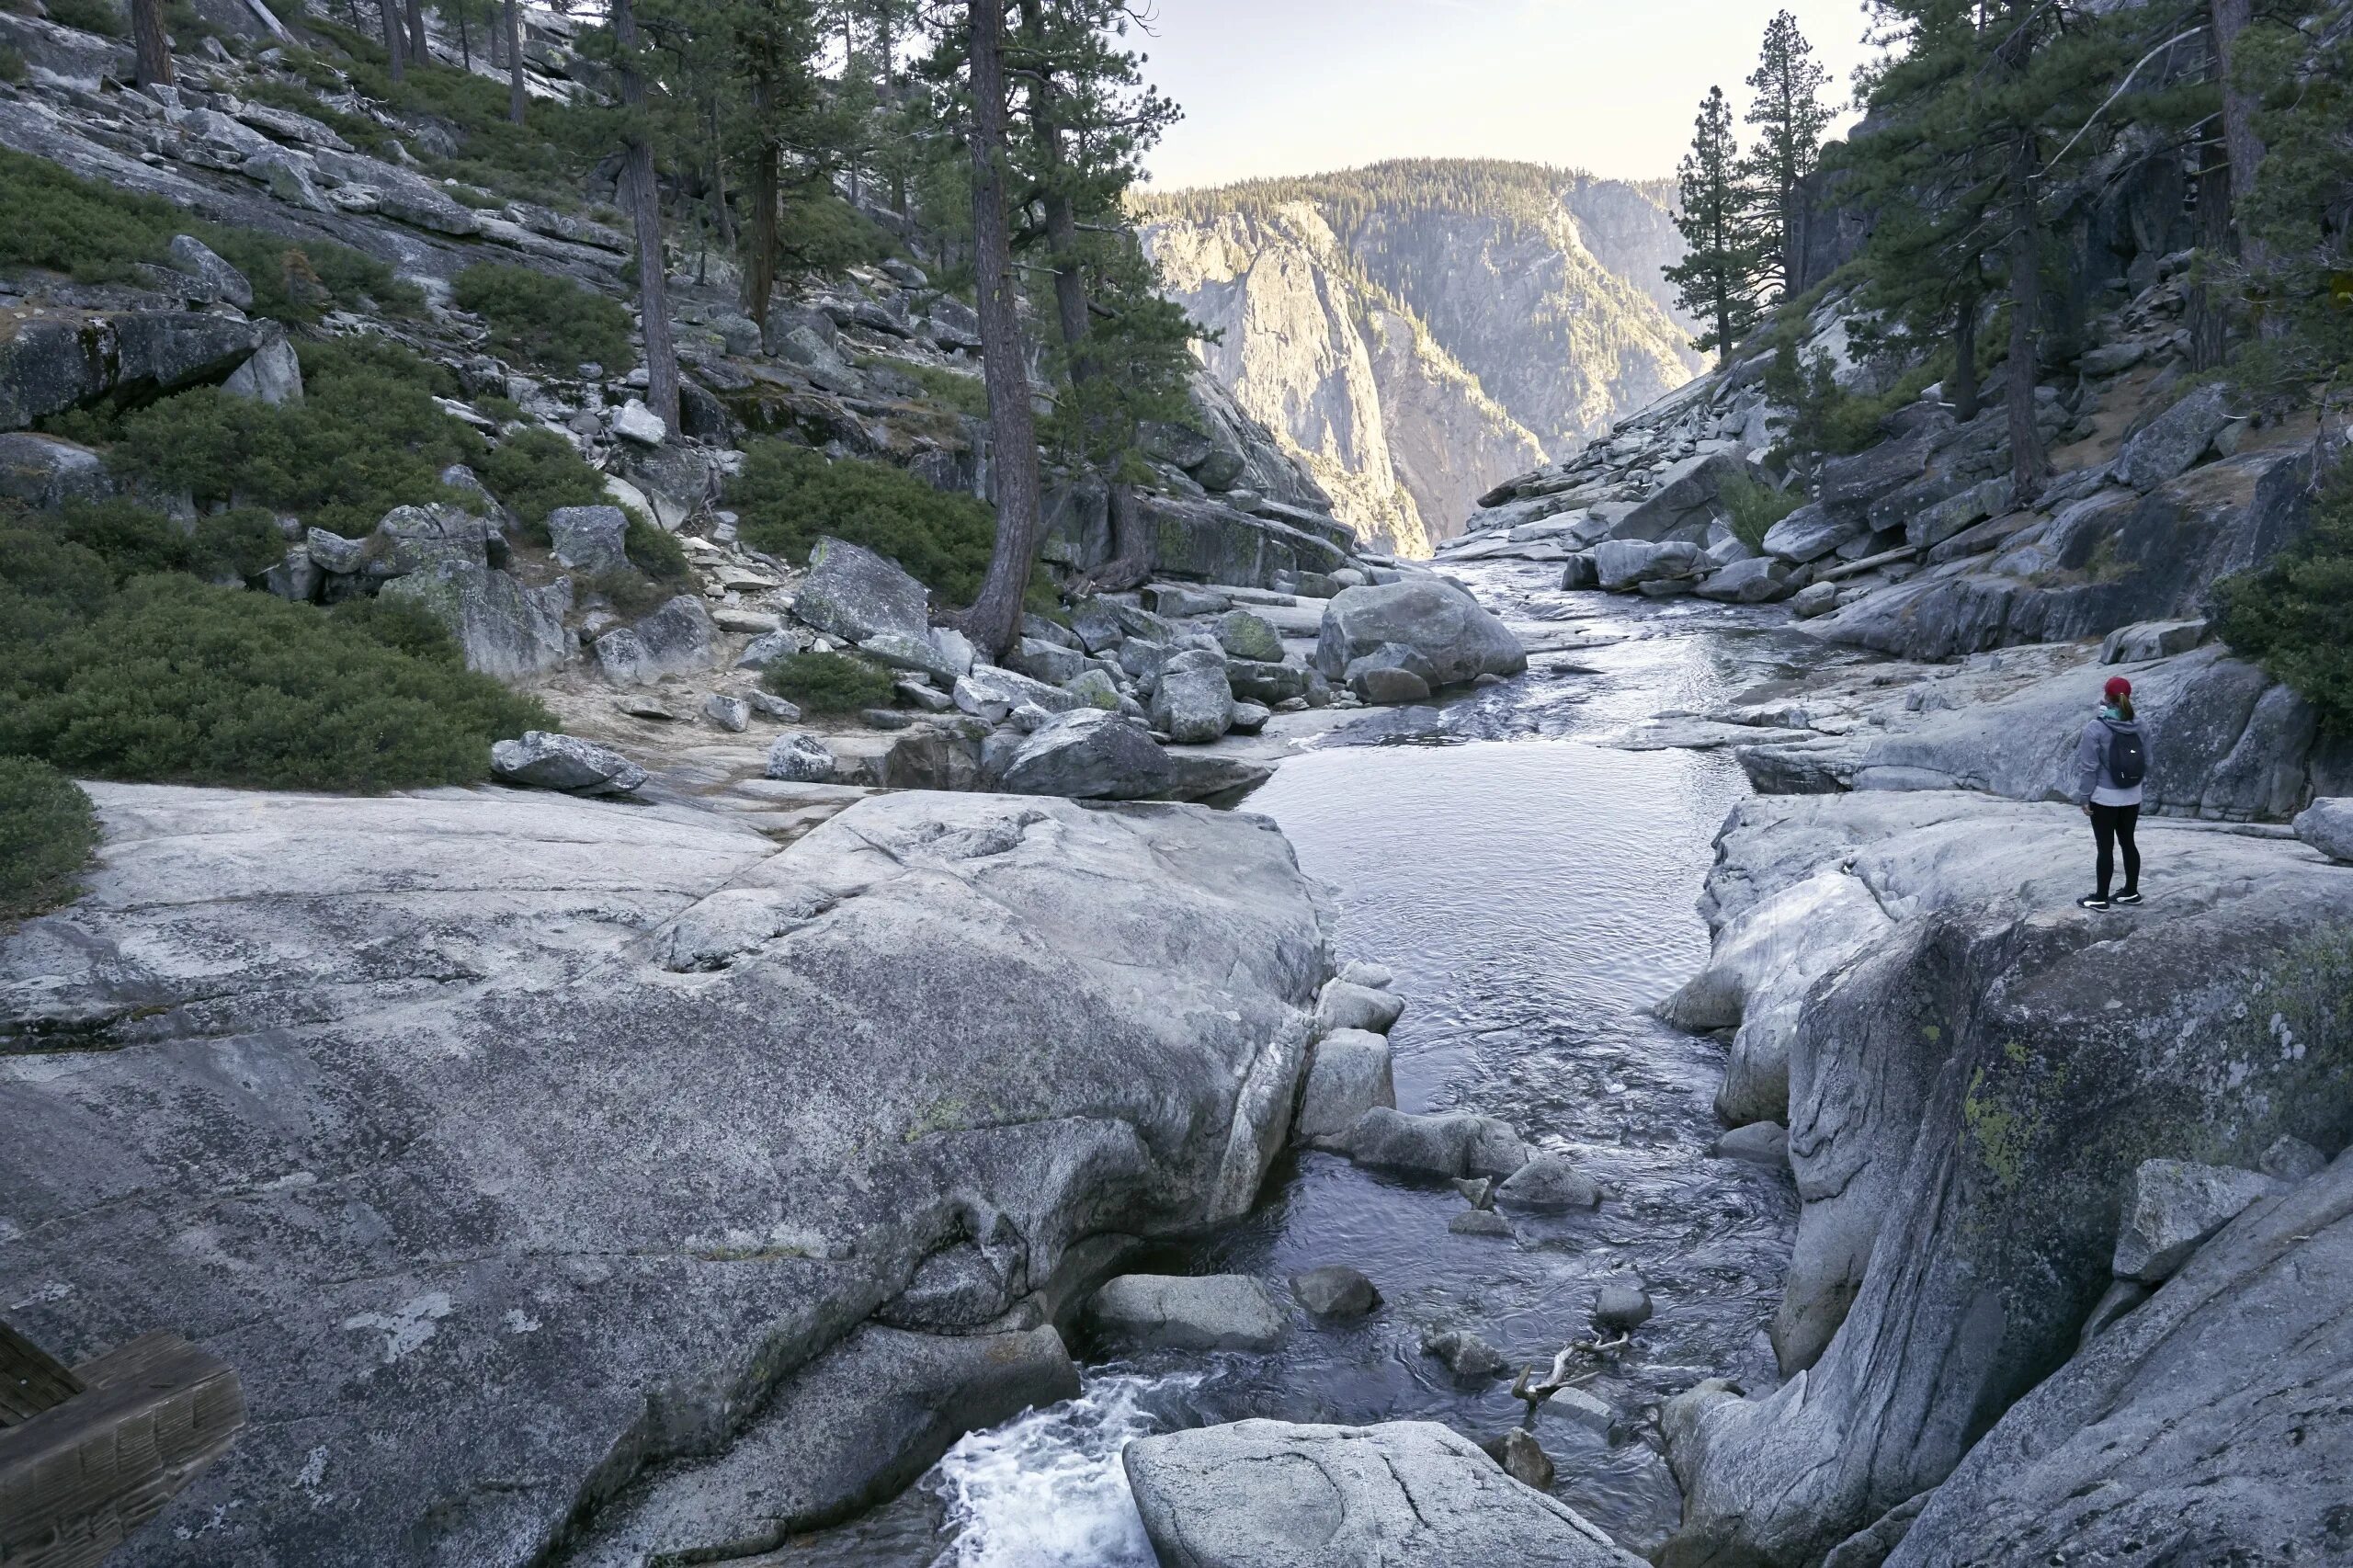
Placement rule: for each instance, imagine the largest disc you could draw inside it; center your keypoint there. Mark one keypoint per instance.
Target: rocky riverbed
(1929, 1048)
(873, 1094)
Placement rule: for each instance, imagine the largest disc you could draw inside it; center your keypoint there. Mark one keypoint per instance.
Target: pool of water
(1532, 889)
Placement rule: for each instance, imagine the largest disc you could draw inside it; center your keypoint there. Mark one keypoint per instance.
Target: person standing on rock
(2111, 759)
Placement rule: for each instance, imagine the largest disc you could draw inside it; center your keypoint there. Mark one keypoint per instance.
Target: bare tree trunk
(759, 258)
(154, 67)
(994, 619)
(516, 96)
(645, 212)
(1964, 359)
(2028, 462)
(2229, 19)
(465, 42)
(2208, 326)
(722, 219)
(417, 53)
(395, 46)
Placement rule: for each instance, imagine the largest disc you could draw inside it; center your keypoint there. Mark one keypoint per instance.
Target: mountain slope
(1415, 329)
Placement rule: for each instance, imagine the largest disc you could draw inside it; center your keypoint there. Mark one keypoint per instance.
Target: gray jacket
(2093, 783)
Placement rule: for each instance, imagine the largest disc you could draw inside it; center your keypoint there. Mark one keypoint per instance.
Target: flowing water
(1532, 889)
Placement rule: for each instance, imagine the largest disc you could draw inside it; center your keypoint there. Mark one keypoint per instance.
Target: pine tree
(994, 621)
(2295, 270)
(1790, 120)
(1718, 277)
(1123, 354)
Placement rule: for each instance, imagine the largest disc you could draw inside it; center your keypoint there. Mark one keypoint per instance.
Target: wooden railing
(90, 1453)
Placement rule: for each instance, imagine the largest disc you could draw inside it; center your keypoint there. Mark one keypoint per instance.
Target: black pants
(2110, 826)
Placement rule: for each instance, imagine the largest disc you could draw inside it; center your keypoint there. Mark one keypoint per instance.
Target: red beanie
(2119, 687)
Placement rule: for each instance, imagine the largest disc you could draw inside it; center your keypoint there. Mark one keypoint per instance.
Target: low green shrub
(90, 16)
(828, 683)
(98, 233)
(787, 496)
(47, 832)
(175, 681)
(534, 471)
(818, 231)
(551, 322)
(365, 437)
(655, 551)
(331, 358)
(961, 394)
(133, 541)
(2295, 614)
(1756, 507)
(12, 69)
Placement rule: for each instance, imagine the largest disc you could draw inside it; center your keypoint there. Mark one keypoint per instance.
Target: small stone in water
(1622, 1307)
(1523, 1459)
(1479, 1222)
(1582, 1409)
(1335, 1291)
(1465, 1354)
(1479, 1190)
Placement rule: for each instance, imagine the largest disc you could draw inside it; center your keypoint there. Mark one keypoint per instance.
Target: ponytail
(2123, 705)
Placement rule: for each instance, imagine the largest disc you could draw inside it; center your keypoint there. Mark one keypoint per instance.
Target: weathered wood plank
(80, 1476)
(31, 1380)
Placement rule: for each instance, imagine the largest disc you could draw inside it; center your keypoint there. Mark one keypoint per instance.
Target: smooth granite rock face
(2209, 1426)
(1972, 1091)
(1402, 1495)
(1622, 565)
(2225, 739)
(582, 1129)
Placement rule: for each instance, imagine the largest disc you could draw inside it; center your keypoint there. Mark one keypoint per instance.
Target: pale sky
(1302, 87)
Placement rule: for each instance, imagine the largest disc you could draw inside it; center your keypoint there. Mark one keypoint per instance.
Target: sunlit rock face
(1416, 332)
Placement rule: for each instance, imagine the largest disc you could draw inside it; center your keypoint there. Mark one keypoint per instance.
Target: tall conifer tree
(1789, 119)
(1718, 277)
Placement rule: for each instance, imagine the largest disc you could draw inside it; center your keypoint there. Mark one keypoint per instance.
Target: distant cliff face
(1418, 331)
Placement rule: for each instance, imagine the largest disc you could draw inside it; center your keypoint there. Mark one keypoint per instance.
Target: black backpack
(2128, 759)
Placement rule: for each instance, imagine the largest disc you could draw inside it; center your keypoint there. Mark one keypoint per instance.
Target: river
(1533, 888)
